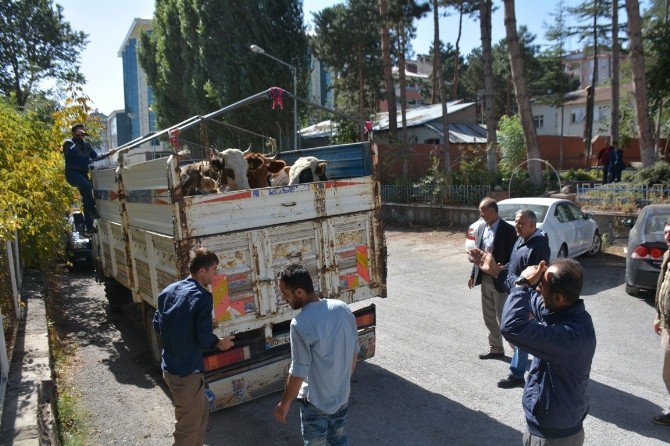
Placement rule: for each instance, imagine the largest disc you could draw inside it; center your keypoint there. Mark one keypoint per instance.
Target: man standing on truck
(324, 350)
(78, 154)
(184, 320)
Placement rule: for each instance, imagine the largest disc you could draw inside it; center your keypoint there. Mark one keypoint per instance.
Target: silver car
(571, 232)
(646, 247)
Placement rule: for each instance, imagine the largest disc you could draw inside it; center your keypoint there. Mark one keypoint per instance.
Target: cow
(307, 169)
(261, 168)
(280, 178)
(231, 168)
(195, 178)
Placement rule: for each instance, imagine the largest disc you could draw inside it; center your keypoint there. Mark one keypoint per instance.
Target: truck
(147, 227)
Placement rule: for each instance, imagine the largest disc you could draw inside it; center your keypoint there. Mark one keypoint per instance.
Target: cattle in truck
(262, 168)
(307, 169)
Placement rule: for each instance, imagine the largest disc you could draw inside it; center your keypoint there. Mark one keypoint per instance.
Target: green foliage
(657, 173)
(198, 59)
(582, 175)
(36, 43)
(346, 38)
(512, 144)
(434, 181)
(472, 169)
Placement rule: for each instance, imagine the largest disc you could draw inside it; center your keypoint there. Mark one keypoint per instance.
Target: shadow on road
(602, 272)
(384, 409)
(614, 406)
(83, 317)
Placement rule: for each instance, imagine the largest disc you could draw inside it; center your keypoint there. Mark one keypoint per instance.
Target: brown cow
(261, 168)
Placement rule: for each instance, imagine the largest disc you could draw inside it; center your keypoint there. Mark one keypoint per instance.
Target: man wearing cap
(78, 154)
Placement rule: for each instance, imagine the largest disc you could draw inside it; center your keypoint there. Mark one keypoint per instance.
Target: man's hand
(486, 262)
(471, 282)
(281, 411)
(534, 273)
(225, 342)
(657, 326)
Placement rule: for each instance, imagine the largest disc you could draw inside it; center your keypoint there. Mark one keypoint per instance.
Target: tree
(438, 82)
(36, 43)
(197, 59)
(388, 71)
(640, 83)
(522, 96)
(485, 7)
(345, 41)
(464, 7)
(614, 128)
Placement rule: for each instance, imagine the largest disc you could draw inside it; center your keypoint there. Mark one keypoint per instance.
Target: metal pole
(295, 109)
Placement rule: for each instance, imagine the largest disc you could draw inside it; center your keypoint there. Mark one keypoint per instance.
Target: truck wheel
(153, 338)
(117, 295)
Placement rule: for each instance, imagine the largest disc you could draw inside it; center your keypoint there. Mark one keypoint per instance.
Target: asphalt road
(425, 385)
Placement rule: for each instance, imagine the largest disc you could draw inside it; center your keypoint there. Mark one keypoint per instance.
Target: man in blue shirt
(324, 350)
(184, 320)
(561, 338)
(78, 154)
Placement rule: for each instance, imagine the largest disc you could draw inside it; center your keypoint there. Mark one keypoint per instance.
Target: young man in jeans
(324, 350)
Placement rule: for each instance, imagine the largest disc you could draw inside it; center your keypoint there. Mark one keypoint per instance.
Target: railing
(622, 194)
(10, 267)
(427, 194)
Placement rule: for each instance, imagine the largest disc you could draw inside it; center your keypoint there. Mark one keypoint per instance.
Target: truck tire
(117, 295)
(153, 338)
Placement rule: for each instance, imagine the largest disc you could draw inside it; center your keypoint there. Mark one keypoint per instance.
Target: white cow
(307, 169)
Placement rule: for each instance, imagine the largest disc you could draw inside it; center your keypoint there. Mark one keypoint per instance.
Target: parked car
(78, 247)
(646, 246)
(571, 232)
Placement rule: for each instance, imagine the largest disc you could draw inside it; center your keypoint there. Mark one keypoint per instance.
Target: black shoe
(90, 232)
(511, 382)
(662, 419)
(491, 355)
(95, 216)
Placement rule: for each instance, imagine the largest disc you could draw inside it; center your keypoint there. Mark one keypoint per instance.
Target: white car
(571, 232)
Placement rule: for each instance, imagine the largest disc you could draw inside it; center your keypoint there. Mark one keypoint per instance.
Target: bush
(512, 144)
(581, 175)
(657, 173)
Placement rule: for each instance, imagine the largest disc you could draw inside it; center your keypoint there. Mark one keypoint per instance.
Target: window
(563, 213)
(538, 120)
(573, 117)
(576, 212)
(603, 113)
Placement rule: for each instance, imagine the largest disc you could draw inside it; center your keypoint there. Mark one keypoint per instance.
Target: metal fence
(427, 194)
(622, 194)
(11, 268)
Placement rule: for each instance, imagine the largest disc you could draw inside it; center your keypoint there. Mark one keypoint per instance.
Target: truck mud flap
(252, 381)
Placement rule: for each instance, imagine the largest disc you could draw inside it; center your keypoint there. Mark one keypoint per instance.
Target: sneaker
(491, 355)
(662, 419)
(511, 382)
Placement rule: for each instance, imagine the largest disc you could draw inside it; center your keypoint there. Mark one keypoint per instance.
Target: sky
(107, 23)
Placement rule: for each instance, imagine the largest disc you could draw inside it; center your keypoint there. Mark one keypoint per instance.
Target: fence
(11, 272)
(421, 193)
(622, 194)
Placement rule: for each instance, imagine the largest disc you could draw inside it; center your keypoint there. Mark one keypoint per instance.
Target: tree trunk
(522, 98)
(590, 95)
(660, 152)
(457, 57)
(443, 99)
(388, 72)
(640, 83)
(489, 92)
(361, 89)
(437, 56)
(614, 130)
(402, 81)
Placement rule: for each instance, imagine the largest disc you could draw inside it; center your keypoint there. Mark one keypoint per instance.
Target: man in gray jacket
(662, 321)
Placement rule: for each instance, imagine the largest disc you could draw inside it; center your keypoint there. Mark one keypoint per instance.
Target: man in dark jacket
(561, 337)
(531, 248)
(497, 236)
(662, 321)
(78, 154)
(184, 320)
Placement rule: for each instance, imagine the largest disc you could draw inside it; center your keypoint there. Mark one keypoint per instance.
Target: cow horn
(271, 158)
(248, 151)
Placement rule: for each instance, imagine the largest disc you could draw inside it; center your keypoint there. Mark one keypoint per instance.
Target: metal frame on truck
(147, 228)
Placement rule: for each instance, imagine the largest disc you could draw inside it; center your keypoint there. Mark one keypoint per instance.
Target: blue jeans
(80, 181)
(319, 428)
(517, 366)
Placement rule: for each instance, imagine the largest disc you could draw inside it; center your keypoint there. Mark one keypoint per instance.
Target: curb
(27, 416)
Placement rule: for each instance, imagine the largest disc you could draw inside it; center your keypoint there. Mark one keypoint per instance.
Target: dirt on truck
(147, 228)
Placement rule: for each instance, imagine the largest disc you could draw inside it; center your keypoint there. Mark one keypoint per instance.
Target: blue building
(137, 93)
(118, 129)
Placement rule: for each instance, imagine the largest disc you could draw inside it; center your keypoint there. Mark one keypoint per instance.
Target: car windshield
(655, 224)
(507, 211)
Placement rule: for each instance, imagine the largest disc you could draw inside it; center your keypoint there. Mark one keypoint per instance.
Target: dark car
(646, 246)
(78, 247)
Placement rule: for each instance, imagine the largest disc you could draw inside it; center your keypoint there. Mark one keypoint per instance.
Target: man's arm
(204, 331)
(293, 384)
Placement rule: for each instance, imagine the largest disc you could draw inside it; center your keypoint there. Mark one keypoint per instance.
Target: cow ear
(276, 166)
(321, 168)
(287, 169)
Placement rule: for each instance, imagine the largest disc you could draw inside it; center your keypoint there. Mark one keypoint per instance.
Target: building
(118, 129)
(321, 81)
(580, 66)
(137, 93)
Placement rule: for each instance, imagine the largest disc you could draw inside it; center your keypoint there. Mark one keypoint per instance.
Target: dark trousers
(80, 180)
(605, 174)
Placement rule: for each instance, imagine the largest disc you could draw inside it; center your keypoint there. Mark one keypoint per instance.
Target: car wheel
(562, 253)
(631, 290)
(596, 246)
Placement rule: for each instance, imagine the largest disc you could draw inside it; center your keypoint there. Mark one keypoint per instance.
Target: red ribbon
(368, 126)
(277, 99)
(174, 138)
